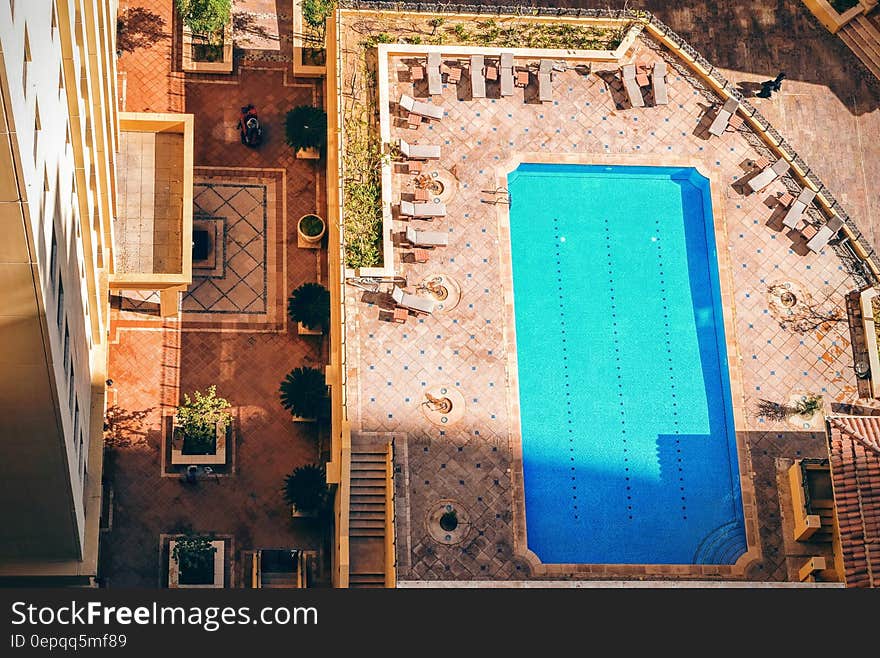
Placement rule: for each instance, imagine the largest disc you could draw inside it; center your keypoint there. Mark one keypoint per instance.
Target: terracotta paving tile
(390, 366)
(153, 361)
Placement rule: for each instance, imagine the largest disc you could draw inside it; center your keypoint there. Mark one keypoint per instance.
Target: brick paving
(153, 361)
(391, 365)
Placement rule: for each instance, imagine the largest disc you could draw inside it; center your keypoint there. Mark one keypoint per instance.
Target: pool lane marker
(616, 341)
(664, 293)
(565, 374)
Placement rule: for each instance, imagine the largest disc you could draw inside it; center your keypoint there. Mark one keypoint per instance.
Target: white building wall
(55, 95)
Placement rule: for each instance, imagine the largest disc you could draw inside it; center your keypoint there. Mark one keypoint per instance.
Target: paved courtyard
(232, 330)
(466, 348)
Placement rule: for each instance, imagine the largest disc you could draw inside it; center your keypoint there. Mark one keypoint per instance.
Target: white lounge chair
(658, 83)
(507, 74)
(421, 108)
(478, 76)
(545, 80)
(413, 302)
(426, 238)
(768, 175)
(825, 233)
(798, 207)
(419, 151)
(719, 125)
(633, 91)
(435, 79)
(430, 209)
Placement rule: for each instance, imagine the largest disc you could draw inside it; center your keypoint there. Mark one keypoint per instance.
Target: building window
(60, 309)
(80, 463)
(67, 348)
(27, 61)
(76, 420)
(53, 259)
(71, 388)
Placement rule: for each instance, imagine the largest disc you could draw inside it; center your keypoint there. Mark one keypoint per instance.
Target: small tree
(306, 127)
(205, 17)
(304, 393)
(310, 304)
(306, 489)
(199, 416)
(194, 555)
(316, 12)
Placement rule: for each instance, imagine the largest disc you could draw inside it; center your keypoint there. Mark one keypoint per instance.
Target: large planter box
(219, 564)
(865, 299)
(309, 56)
(179, 458)
(223, 64)
(831, 19)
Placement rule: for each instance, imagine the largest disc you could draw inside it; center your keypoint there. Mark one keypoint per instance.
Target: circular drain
(443, 405)
(787, 300)
(443, 289)
(447, 522)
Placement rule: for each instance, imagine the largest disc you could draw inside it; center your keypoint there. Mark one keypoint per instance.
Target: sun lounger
(426, 238)
(419, 151)
(633, 91)
(430, 209)
(478, 79)
(798, 207)
(658, 82)
(768, 175)
(507, 74)
(413, 302)
(421, 108)
(719, 125)
(825, 233)
(435, 79)
(545, 86)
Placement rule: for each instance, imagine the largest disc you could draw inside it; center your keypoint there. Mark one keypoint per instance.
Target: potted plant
(449, 520)
(200, 425)
(309, 307)
(305, 130)
(304, 394)
(193, 562)
(207, 34)
(307, 491)
(809, 405)
(311, 229)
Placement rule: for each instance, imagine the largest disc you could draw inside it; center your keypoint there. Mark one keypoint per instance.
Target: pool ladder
(500, 195)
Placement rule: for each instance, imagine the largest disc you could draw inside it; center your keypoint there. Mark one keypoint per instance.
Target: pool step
(723, 545)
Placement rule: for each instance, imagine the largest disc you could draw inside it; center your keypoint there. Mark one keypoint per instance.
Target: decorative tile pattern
(242, 289)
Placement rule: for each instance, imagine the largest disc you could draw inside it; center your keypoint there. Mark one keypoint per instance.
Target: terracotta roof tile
(854, 451)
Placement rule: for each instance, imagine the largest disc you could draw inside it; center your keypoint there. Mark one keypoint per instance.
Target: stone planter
(191, 45)
(178, 457)
(308, 153)
(174, 569)
(310, 241)
(309, 56)
(303, 330)
(831, 19)
(865, 301)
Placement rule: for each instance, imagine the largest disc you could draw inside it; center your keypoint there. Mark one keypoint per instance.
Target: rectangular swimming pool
(628, 445)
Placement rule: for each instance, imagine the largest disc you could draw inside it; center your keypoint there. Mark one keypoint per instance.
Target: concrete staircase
(367, 517)
(863, 38)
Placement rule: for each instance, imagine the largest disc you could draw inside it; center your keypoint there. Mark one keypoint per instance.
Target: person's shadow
(748, 89)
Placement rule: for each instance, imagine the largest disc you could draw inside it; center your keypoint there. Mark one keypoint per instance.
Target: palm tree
(310, 304)
(306, 127)
(306, 489)
(304, 393)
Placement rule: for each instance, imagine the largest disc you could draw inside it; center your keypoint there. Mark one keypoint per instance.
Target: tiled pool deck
(390, 366)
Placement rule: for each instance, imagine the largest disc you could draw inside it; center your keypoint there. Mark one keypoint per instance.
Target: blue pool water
(629, 452)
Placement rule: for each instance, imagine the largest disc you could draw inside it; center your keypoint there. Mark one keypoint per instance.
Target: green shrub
(316, 12)
(194, 555)
(199, 416)
(205, 17)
